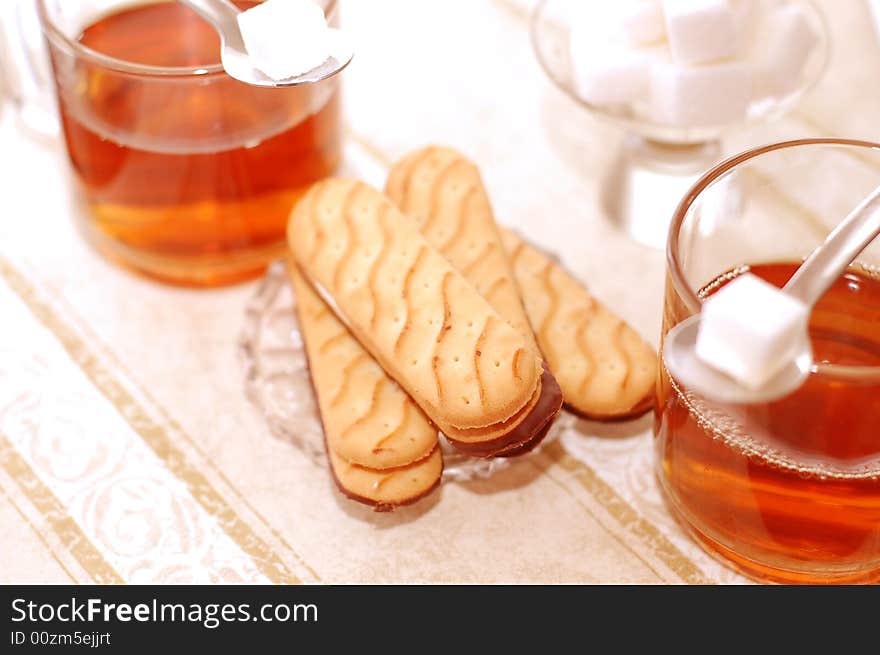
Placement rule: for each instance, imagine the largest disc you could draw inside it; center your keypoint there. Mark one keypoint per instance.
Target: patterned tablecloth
(129, 453)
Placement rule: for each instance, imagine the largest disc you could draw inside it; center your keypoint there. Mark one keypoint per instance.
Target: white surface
(705, 95)
(285, 38)
(750, 330)
(700, 31)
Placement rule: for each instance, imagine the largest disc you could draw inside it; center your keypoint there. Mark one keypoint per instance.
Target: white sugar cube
(751, 330)
(745, 19)
(782, 47)
(610, 73)
(641, 22)
(700, 31)
(634, 22)
(285, 38)
(701, 96)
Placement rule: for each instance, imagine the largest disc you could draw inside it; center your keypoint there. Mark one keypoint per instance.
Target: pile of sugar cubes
(689, 63)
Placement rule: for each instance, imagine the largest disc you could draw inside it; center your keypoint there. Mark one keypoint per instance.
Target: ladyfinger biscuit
(391, 488)
(368, 419)
(425, 324)
(444, 193)
(605, 369)
(521, 433)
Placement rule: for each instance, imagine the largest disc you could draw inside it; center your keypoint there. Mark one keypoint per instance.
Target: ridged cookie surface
(424, 323)
(605, 369)
(387, 489)
(368, 419)
(444, 193)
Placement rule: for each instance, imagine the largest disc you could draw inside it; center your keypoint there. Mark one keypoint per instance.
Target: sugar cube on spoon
(285, 38)
(751, 330)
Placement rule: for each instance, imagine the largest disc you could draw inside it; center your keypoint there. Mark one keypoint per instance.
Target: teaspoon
(808, 284)
(223, 17)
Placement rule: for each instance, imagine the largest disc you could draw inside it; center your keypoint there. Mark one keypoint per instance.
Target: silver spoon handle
(220, 13)
(828, 262)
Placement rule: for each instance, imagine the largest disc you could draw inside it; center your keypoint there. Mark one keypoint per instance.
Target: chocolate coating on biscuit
(528, 432)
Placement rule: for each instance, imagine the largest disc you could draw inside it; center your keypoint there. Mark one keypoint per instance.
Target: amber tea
(188, 176)
(794, 483)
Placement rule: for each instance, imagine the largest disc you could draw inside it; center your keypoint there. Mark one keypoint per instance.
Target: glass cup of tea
(186, 175)
(785, 491)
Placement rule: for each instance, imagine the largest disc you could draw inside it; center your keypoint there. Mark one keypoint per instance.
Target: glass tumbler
(786, 491)
(186, 175)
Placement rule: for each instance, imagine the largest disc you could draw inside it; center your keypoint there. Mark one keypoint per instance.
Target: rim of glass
(54, 33)
(683, 288)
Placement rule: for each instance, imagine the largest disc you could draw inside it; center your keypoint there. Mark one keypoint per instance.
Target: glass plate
(277, 382)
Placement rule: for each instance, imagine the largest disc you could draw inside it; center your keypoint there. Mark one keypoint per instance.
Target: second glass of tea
(786, 491)
(187, 175)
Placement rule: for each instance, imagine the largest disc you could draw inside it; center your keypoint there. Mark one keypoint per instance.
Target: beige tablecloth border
(159, 432)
